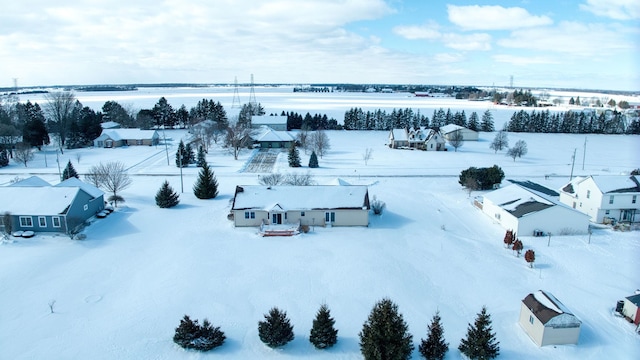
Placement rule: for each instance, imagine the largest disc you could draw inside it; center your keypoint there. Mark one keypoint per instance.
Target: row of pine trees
(571, 122)
(384, 336)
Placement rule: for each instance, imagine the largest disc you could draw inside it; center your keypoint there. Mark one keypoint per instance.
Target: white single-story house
(605, 198)
(268, 138)
(528, 212)
(276, 122)
(547, 321)
(111, 138)
(467, 134)
(321, 205)
(631, 308)
(37, 206)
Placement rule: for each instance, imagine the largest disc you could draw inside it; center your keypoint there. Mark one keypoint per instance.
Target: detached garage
(547, 321)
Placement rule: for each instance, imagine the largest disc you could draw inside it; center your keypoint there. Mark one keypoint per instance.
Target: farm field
(121, 292)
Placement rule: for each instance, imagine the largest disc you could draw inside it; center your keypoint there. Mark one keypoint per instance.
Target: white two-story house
(604, 198)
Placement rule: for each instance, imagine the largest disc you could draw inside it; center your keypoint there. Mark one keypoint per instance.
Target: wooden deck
(279, 230)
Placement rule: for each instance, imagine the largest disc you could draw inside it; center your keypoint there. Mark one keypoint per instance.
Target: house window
(611, 199)
(26, 221)
(56, 221)
(330, 216)
(301, 213)
(42, 221)
(588, 194)
(574, 204)
(85, 207)
(606, 212)
(249, 214)
(633, 199)
(580, 204)
(497, 216)
(531, 320)
(285, 216)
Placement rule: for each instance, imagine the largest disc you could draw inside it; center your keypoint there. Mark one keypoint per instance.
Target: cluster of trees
(206, 187)
(481, 178)
(571, 122)
(384, 335)
(512, 242)
(309, 122)
(357, 119)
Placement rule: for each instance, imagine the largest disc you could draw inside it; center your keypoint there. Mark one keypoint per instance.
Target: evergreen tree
(385, 335)
(4, 158)
(473, 122)
(189, 156)
(480, 343)
(434, 347)
(276, 329)
(190, 335)
(202, 156)
(166, 197)
(69, 172)
(323, 334)
(313, 160)
(180, 155)
(294, 156)
(206, 186)
(486, 124)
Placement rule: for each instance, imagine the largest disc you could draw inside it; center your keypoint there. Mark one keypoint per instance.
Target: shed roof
(301, 197)
(546, 308)
(535, 187)
(399, 134)
(268, 134)
(449, 128)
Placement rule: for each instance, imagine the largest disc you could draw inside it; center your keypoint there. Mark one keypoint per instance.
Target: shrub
(276, 329)
(377, 206)
(482, 178)
(190, 335)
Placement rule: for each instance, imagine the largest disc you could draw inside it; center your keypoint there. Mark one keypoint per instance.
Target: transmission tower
(252, 94)
(15, 85)
(511, 81)
(236, 97)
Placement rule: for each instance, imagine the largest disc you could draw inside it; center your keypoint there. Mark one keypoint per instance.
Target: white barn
(547, 321)
(528, 212)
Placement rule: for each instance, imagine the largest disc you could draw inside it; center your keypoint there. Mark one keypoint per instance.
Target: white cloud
(614, 9)
(448, 58)
(494, 17)
(471, 42)
(524, 60)
(428, 31)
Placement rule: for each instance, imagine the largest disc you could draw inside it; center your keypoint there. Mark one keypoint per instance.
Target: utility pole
(584, 152)
(573, 162)
(181, 182)
(166, 149)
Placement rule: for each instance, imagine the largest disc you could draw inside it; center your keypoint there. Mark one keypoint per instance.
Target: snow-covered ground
(120, 293)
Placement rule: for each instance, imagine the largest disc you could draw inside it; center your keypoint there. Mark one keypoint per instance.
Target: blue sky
(589, 44)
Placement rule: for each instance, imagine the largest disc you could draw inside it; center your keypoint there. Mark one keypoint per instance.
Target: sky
(585, 44)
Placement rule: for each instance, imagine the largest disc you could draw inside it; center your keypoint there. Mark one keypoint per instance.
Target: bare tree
(303, 139)
(112, 177)
(59, 108)
(272, 179)
(456, 140)
(23, 154)
(500, 141)
(7, 225)
(238, 138)
(366, 156)
(320, 142)
(518, 150)
(298, 179)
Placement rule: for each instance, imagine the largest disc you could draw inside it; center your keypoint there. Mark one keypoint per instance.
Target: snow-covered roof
(617, 183)
(399, 134)
(260, 197)
(338, 182)
(257, 120)
(268, 134)
(128, 134)
(549, 310)
(31, 181)
(518, 200)
(88, 188)
(109, 125)
(449, 128)
(36, 200)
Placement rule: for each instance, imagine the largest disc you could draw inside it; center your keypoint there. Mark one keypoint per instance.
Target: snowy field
(120, 293)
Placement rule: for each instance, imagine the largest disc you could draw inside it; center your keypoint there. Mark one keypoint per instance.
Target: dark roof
(527, 208)
(635, 299)
(635, 188)
(541, 312)
(537, 187)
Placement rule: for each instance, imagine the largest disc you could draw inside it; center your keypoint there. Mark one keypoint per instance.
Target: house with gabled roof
(528, 212)
(35, 205)
(418, 138)
(467, 134)
(320, 205)
(268, 138)
(631, 308)
(112, 138)
(547, 321)
(605, 198)
(398, 138)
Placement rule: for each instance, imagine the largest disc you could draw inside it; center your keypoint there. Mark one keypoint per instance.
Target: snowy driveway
(263, 161)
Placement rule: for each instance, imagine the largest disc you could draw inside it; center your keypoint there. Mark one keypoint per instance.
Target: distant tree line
(571, 122)
(310, 122)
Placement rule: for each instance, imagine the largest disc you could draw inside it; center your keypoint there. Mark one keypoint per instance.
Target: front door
(276, 218)
(329, 217)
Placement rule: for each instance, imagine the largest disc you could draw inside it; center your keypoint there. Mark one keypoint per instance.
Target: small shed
(467, 134)
(631, 308)
(547, 321)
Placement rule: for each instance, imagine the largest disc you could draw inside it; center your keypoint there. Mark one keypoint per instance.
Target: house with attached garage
(35, 205)
(530, 212)
(320, 205)
(112, 138)
(605, 198)
(276, 122)
(418, 138)
(547, 321)
(268, 138)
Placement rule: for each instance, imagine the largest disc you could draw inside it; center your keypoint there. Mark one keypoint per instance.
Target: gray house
(35, 205)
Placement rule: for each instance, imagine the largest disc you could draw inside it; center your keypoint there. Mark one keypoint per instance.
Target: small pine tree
(202, 157)
(385, 334)
(323, 334)
(4, 158)
(434, 347)
(206, 186)
(517, 247)
(189, 156)
(180, 155)
(530, 257)
(294, 156)
(276, 329)
(480, 343)
(69, 172)
(313, 160)
(190, 335)
(166, 197)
